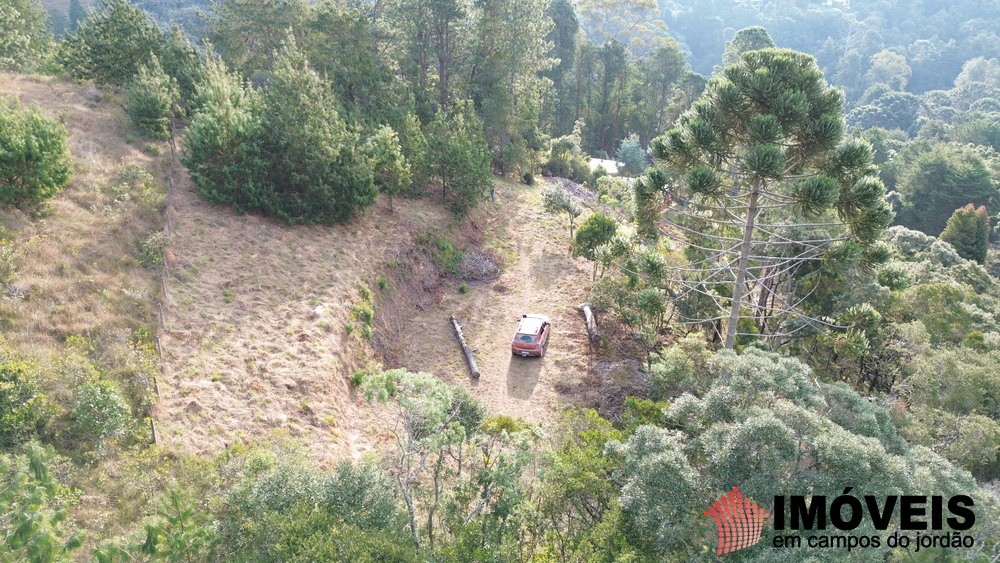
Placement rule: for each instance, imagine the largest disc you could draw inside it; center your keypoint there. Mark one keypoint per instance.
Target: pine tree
(968, 230)
(25, 36)
(34, 156)
(111, 44)
(152, 99)
(768, 185)
(392, 172)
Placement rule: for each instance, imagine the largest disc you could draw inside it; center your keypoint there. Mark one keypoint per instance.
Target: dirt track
(540, 278)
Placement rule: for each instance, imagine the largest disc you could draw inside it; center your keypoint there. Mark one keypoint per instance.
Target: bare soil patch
(539, 277)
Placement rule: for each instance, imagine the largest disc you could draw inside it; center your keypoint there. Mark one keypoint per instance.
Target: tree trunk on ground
(465, 347)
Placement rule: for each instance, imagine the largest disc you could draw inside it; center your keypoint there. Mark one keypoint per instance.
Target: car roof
(531, 324)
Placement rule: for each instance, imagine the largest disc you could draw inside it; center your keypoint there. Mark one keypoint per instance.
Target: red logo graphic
(739, 520)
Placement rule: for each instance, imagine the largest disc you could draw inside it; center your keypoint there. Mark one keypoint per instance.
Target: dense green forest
(796, 271)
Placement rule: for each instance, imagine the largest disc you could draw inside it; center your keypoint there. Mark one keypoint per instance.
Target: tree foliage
(968, 230)
(26, 37)
(283, 150)
(33, 523)
(632, 156)
(111, 44)
(767, 134)
(24, 408)
(936, 180)
(459, 158)
(152, 99)
(34, 156)
(392, 173)
(557, 201)
(747, 39)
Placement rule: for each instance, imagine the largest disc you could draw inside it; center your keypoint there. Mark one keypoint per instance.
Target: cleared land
(73, 267)
(255, 343)
(539, 277)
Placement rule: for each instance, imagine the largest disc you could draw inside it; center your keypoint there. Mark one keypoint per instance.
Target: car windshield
(525, 338)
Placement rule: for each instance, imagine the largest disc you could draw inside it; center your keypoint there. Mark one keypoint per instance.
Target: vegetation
(152, 97)
(767, 135)
(26, 38)
(34, 157)
(764, 324)
(968, 230)
(111, 44)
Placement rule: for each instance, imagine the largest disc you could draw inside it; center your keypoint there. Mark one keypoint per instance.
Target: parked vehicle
(532, 336)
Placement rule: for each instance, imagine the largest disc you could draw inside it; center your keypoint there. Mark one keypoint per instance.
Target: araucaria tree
(768, 185)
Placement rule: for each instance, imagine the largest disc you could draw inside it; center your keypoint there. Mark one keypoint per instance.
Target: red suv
(532, 336)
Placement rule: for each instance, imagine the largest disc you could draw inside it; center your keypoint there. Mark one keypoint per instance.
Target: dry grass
(77, 266)
(77, 271)
(256, 344)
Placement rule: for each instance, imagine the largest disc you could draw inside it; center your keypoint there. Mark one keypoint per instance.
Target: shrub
(441, 251)
(110, 44)
(34, 157)
(152, 96)
(23, 406)
(151, 249)
(100, 412)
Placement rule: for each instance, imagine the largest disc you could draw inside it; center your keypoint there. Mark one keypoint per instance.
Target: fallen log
(465, 347)
(588, 317)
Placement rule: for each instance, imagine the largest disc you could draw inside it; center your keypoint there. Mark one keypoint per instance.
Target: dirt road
(539, 278)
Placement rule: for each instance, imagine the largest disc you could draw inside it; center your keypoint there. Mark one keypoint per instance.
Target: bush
(441, 251)
(100, 412)
(286, 152)
(111, 44)
(151, 250)
(34, 157)
(152, 96)
(24, 409)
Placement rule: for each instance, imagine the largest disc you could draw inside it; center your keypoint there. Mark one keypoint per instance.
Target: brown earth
(539, 277)
(75, 268)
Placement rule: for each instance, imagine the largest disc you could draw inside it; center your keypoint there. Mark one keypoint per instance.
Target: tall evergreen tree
(111, 44)
(510, 53)
(25, 36)
(968, 230)
(767, 183)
